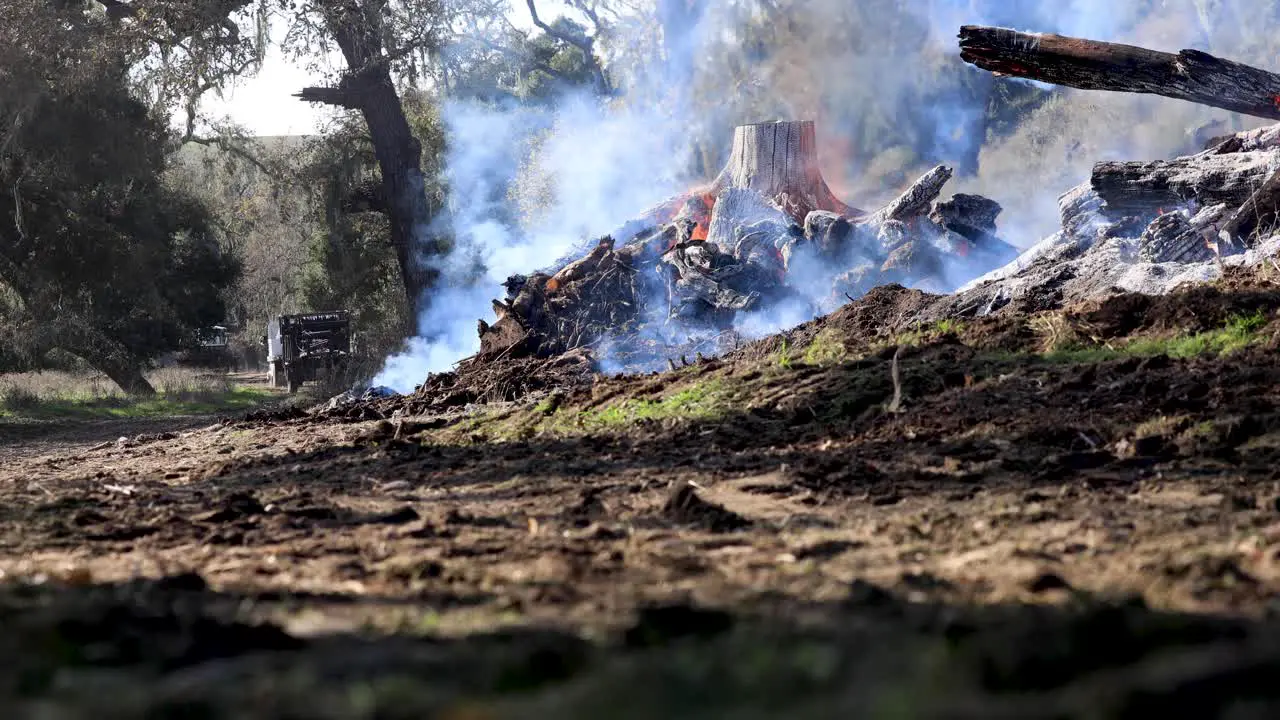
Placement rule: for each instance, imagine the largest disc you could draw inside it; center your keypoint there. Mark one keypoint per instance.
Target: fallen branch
(1190, 75)
(895, 406)
(916, 200)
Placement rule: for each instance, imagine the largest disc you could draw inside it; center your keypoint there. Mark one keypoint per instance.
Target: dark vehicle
(302, 347)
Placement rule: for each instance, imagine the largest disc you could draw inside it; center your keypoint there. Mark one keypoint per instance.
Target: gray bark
(1144, 189)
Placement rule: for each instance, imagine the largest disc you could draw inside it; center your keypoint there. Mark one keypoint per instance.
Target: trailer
(303, 348)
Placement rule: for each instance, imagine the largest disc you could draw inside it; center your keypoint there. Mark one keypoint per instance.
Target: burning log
(1189, 75)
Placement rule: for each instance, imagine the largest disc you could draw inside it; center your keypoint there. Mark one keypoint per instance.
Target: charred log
(971, 216)
(1171, 238)
(1144, 189)
(916, 200)
(1189, 75)
(1260, 212)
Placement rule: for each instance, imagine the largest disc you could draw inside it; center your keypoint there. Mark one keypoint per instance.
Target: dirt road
(1074, 534)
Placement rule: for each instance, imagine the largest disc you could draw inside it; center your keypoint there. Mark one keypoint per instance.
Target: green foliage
(782, 358)
(97, 255)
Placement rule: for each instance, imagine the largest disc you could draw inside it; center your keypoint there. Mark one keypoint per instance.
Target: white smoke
(881, 77)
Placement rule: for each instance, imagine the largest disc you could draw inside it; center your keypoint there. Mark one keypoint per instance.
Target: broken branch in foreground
(1092, 65)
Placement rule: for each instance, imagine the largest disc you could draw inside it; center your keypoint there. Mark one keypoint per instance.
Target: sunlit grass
(1239, 333)
(179, 391)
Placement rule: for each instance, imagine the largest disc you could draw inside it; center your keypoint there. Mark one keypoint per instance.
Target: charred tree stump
(779, 160)
(1189, 75)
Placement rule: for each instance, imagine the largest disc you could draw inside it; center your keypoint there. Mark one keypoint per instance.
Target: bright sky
(265, 105)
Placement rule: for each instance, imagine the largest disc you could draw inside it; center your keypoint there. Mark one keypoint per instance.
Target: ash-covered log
(1189, 75)
(1261, 212)
(1144, 189)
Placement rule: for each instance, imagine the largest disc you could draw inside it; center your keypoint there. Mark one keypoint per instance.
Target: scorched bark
(1092, 65)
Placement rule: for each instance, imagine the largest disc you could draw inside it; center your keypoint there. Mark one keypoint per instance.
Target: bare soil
(1017, 537)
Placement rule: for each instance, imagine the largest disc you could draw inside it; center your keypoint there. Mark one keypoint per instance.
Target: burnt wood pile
(766, 234)
(1143, 226)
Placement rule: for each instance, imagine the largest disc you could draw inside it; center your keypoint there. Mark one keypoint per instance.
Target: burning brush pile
(767, 239)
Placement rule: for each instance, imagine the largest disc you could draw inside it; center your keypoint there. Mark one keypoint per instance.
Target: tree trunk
(780, 161)
(368, 88)
(123, 372)
(102, 353)
(1091, 65)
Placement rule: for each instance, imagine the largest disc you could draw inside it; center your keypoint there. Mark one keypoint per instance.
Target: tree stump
(779, 160)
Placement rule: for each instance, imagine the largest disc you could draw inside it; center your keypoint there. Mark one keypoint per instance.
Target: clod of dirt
(840, 475)
(237, 506)
(589, 508)
(184, 582)
(658, 626)
(403, 516)
(1241, 502)
(460, 518)
(686, 508)
(865, 594)
(275, 416)
(1046, 582)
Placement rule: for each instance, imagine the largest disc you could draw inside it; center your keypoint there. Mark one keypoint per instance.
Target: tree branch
(233, 148)
(586, 45)
(343, 97)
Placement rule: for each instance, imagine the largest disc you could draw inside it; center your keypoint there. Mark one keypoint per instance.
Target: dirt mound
(1195, 309)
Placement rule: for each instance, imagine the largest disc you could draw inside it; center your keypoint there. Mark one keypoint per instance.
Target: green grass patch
(949, 327)
(826, 349)
(708, 400)
(1239, 333)
(783, 357)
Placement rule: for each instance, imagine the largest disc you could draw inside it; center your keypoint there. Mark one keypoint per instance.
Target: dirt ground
(788, 531)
